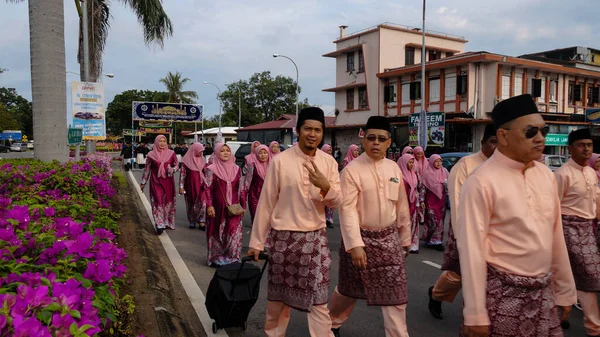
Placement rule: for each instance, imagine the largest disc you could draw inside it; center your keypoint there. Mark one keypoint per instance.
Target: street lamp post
(107, 75)
(297, 93)
(220, 106)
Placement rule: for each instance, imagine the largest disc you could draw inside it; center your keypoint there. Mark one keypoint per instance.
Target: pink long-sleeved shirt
(578, 190)
(509, 218)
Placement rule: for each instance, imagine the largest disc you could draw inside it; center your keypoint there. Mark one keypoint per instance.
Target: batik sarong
(299, 265)
(451, 261)
(383, 282)
(580, 237)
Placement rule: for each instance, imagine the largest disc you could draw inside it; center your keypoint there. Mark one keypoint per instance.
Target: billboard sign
(436, 129)
(157, 111)
(87, 99)
(592, 115)
(75, 136)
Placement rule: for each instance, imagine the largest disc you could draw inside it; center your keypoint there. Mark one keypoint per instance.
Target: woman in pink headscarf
(328, 211)
(350, 155)
(255, 177)
(224, 188)
(420, 161)
(161, 165)
(435, 179)
(274, 149)
(250, 158)
(191, 185)
(415, 197)
(407, 149)
(594, 162)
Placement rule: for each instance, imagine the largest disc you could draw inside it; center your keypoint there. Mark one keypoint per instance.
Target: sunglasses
(381, 139)
(533, 131)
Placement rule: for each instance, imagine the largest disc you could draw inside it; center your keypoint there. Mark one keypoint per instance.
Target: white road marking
(433, 264)
(192, 289)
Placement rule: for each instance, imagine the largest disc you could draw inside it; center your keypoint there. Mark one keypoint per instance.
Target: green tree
(19, 108)
(263, 98)
(7, 120)
(174, 84)
(118, 112)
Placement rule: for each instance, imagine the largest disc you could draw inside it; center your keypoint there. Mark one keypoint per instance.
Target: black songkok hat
(579, 134)
(312, 113)
(490, 130)
(378, 122)
(513, 108)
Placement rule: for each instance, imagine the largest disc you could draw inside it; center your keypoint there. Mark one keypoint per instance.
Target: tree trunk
(48, 79)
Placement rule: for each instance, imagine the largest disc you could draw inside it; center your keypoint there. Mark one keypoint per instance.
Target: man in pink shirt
(514, 263)
(298, 185)
(375, 226)
(578, 192)
(449, 283)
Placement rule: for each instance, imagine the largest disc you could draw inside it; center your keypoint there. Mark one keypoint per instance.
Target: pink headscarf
(406, 149)
(261, 167)
(326, 148)
(161, 156)
(251, 158)
(191, 160)
(434, 178)
(225, 170)
(409, 175)
(592, 163)
(349, 155)
(271, 154)
(420, 165)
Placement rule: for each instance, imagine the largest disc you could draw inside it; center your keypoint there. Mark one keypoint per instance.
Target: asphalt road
(365, 321)
(13, 155)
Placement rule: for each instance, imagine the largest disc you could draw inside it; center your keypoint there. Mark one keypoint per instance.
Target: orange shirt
(374, 198)
(289, 201)
(577, 190)
(509, 217)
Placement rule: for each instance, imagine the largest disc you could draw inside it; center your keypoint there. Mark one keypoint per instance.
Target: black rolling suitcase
(232, 293)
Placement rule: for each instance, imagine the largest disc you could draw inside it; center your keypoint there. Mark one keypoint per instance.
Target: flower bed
(61, 269)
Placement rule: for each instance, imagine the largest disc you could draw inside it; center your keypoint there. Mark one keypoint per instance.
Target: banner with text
(88, 109)
(592, 115)
(159, 124)
(436, 129)
(157, 111)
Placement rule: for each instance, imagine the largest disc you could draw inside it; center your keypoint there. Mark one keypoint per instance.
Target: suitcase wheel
(214, 328)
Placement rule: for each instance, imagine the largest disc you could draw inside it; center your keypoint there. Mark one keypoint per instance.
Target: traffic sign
(75, 136)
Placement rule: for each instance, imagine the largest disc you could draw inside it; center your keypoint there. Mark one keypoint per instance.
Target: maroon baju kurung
(192, 183)
(162, 192)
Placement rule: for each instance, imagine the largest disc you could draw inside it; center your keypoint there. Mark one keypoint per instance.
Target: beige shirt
(374, 198)
(289, 201)
(577, 190)
(509, 217)
(459, 173)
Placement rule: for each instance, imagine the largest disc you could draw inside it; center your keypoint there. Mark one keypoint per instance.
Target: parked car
(244, 150)
(451, 158)
(554, 161)
(4, 148)
(234, 145)
(18, 147)
(30, 144)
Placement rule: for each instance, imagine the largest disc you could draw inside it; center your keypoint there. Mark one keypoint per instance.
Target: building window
(389, 94)
(574, 93)
(505, 87)
(518, 84)
(553, 95)
(409, 57)
(350, 99)
(349, 62)
(590, 100)
(434, 90)
(593, 58)
(363, 102)
(434, 55)
(361, 62)
(450, 88)
(406, 93)
(448, 54)
(542, 98)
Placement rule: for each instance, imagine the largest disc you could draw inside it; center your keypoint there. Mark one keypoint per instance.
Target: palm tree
(174, 84)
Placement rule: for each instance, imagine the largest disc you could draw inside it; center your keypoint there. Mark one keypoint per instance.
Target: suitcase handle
(262, 256)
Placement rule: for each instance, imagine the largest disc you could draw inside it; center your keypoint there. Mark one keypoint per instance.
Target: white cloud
(442, 10)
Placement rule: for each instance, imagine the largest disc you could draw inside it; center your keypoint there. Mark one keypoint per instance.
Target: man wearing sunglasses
(514, 263)
(578, 192)
(375, 226)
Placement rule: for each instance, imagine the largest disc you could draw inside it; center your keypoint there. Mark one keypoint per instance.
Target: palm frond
(174, 84)
(99, 24)
(154, 20)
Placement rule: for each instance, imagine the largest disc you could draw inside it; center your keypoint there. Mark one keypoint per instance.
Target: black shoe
(192, 226)
(329, 224)
(565, 325)
(435, 307)
(202, 228)
(336, 332)
(439, 248)
(414, 252)
(159, 231)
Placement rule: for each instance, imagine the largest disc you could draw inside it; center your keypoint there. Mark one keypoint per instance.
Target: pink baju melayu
(223, 185)
(160, 166)
(191, 179)
(434, 180)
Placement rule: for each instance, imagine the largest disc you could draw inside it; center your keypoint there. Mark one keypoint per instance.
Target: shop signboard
(436, 125)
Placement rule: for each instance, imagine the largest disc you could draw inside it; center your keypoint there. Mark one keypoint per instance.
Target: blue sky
(226, 40)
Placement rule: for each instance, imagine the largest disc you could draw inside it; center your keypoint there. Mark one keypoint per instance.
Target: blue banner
(592, 115)
(157, 111)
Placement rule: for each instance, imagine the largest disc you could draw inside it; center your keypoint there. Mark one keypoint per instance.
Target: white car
(18, 147)
(30, 144)
(554, 161)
